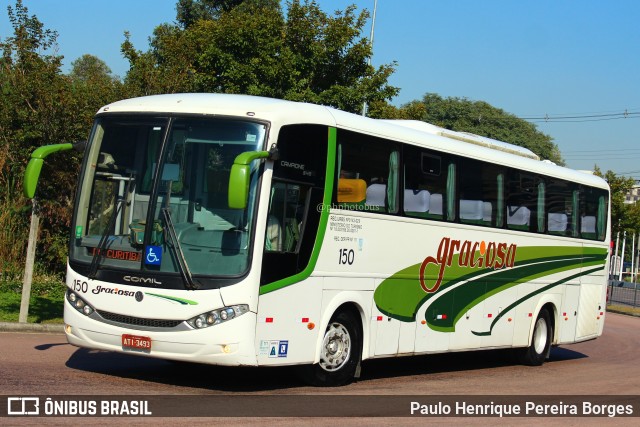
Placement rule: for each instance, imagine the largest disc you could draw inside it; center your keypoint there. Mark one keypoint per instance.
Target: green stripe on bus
(322, 226)
(463, 298)
(401, 295)
(532, 294)
(182, 301)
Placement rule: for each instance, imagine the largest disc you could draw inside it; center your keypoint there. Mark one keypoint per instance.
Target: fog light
(200, 322)
(226, 348)
(212, 318)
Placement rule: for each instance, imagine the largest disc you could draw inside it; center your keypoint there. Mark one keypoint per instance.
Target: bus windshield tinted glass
(136, 168)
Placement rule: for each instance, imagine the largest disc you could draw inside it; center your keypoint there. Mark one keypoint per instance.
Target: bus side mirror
(32, 172)
(240, 176)
(80, 146)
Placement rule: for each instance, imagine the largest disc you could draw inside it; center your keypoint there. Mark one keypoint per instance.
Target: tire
(538, 350)
(340, 353)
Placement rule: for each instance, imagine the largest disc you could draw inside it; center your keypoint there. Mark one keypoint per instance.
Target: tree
(191, 11)
(623, 216)
(251, 47)
(89, 68)
(33, 107)
(40, 106)
(93, 85)
(480, 118)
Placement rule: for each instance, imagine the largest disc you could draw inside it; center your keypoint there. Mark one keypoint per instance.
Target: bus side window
(593, 213)
(425, 183)
(480, 192)
(562, 207)
(284, 220)
(521, 201)
(368, 173)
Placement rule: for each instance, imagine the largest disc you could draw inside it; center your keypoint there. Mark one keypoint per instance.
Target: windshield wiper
(102, 244)
(187, 278)
(104, 239)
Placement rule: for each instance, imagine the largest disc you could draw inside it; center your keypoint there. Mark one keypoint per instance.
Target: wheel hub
(336, 348)
(540, 336)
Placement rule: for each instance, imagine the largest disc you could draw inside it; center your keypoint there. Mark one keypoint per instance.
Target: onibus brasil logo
(470, 254)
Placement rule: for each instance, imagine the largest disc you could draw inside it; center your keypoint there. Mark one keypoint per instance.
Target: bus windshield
(154, 197)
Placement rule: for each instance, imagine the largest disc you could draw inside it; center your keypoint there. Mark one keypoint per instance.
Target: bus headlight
(78, 303)
(220, 315)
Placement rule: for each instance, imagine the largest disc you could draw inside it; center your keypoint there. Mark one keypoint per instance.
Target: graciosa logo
(469, 255)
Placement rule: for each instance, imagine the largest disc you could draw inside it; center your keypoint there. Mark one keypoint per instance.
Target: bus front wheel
(340, 352)
(538, 350)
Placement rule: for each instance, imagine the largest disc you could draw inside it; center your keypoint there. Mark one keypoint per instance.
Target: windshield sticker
(153, 255)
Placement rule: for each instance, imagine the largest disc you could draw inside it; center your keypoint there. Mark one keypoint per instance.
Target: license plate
(135, 342)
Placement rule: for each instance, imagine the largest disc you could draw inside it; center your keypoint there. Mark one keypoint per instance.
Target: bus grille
(138, 321)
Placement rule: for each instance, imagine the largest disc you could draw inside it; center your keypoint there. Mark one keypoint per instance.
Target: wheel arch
(551, 305)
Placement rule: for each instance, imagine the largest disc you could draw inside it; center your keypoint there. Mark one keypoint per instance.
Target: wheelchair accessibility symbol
(153, 255)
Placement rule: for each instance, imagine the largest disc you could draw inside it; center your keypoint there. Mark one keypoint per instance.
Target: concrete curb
(48, 328)
(613, 310)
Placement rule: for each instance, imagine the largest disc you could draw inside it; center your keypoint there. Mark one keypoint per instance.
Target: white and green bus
(237, 230)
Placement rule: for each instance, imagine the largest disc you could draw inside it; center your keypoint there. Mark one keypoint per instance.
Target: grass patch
(41, 309)
(46, 303)
(624, 309)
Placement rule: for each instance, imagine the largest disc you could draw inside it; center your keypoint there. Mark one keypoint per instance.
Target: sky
(570, 66)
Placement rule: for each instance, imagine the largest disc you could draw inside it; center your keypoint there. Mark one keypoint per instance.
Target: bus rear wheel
(340, 352)
(538, 350)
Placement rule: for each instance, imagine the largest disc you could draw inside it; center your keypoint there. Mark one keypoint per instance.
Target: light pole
(614, 264)
(624, 240)
(633, 251)
(373, 24)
